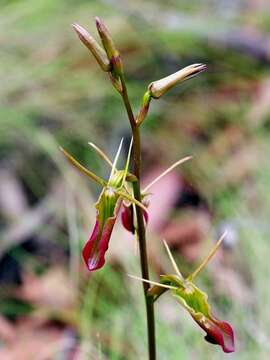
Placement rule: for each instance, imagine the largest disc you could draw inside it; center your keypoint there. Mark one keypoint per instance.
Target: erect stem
(136, 158)
(125, 98)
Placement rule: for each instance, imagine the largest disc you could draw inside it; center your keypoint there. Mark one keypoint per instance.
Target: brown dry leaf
(32, 343)
(187, 232)
(13, 202)
(7, 330)
(260, 108)
(163, 197)
(54, 289)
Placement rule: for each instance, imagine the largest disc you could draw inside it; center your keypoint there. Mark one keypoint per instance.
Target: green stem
(140, 224)
(125, 98)
(145, 275)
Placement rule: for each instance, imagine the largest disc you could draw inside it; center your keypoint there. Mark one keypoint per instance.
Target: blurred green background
(53, 93)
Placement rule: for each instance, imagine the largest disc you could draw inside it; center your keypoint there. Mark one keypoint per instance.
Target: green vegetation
(52, 93)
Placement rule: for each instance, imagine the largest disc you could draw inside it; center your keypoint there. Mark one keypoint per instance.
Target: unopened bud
(108, 44)
(144, 108)
(106, 39)
(99, 54)
(160, 87)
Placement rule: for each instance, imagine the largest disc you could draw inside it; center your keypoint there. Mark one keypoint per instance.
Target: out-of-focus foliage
(52, 92)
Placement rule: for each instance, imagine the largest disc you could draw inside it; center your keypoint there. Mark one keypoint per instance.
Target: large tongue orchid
(114, 191)
(195, 301)
(108, 206)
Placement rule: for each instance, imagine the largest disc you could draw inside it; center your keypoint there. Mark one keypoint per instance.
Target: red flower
(94, 250)
(108, 206)
(195, 301)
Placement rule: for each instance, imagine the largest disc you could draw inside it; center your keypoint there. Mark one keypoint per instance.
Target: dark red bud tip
(98, 21)
(106, 39)
(100, 24)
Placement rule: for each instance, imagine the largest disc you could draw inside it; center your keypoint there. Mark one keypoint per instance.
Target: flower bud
(160, 87)
(106, 39)
(99, 54)
(144, 108)
(108, 44)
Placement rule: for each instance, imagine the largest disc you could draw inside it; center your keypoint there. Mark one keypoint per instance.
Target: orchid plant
(123, 190)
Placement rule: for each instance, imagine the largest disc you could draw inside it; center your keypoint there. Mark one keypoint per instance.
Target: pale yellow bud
(160, 87)
(99, 54)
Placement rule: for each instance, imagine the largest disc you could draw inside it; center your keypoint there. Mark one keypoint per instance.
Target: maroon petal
(127, 218)
(95, 248)
(218, 332)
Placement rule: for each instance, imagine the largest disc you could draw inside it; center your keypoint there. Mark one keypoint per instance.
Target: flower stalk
(136, 162)
(123, 185)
